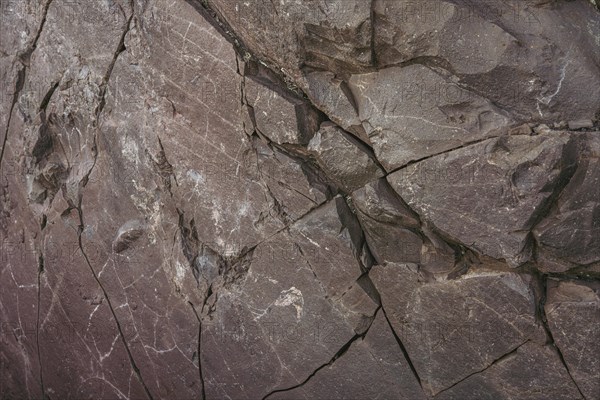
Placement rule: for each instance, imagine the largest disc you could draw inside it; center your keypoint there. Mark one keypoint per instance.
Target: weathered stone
(452, 329)
(324, 35)
(573, 312)
(570, 235)
(580, 124)
(335, 99)
(342, 157)
(279, 115)
(407, 30)
(513, 57)
(272, 328)
(412, 112)
(379, 201)
(392, 230)
(333, 231)
(174, 223)
(489, 196)
(371, 367)
(518, 376)
(288, 184)
(290, 313)
(437, 256)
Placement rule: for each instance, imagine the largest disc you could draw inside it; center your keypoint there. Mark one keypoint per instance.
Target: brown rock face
(317, 199)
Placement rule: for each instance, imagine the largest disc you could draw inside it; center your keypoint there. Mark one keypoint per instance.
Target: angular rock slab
(331, 241)
(570, 236)
(58, 336)
(342, 157)
(287, 183)
(372, 367)
(334, 98)
(531, 372)
(521, 55)
(412, 112)
(297, 305)
(406, 30)
(393, 231)
(489, 195)
(281, 117)
(573, 313)
(452, 329)
(326, 35)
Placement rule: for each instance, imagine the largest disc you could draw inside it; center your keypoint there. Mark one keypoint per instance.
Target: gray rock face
(279, 116)
(510, 52)
(335, 99)
(501, 381)
(367, 360)
(294, 317)
(280, 199)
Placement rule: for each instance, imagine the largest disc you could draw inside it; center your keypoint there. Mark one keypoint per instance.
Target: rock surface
(454, 329)
(572, 309)
(490, 195)
(280, 199)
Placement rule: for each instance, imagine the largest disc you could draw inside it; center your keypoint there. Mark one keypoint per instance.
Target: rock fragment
(346, 160)
(412, 112)
(489, 196)
(514, 376)
(573, 313)
(452, 329)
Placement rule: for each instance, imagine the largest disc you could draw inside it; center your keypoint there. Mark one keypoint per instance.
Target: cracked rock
(490, 195)
(291, 313)
(279, 116)
(514, 56)
(372, 366)
(573, 312)
(412, 112)
(502, 381)
(234, 199)
(452, 329)
(346, 160)
(570, 235)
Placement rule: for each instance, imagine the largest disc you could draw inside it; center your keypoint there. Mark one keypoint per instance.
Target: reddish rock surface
(315, 199)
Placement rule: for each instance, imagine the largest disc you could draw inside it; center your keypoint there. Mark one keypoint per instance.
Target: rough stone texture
(452, 329)
(299, 199)
(501, 382)
(573, 312)
(398, 105)
(490, 195)
(394, 233)
(570, 236)
(279, 116)
(343, 158)
(367, 360)
(512, 52)
(273, 326)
